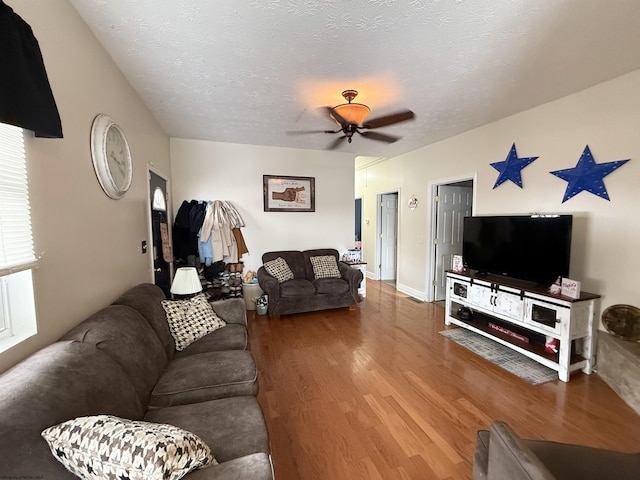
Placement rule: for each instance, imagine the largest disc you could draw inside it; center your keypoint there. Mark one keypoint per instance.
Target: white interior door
(454, 203)
(388, 236)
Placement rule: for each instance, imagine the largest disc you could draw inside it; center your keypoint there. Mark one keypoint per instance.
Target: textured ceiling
(251, 71)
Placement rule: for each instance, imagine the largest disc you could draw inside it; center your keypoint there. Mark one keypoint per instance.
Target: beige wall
(202, 170)
(604, 254)
(90, 244)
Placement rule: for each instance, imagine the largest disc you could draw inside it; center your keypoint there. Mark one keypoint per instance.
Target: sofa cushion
(206, 376)
(325, 266)
(123, 334)
(62, 381)
(331, 286)
(105, 446)
(146, 298)
(279, 269)
(232, 427)
(298, 287)
(231, 337)
(190, 320)
(256, 466)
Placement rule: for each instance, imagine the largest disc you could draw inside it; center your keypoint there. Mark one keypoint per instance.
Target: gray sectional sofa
(304, 292)
(122, 362)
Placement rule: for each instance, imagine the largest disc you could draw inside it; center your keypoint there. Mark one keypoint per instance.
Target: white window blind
(16, 240)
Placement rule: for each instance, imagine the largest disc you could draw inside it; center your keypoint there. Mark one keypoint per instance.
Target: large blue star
(587, 175)
(510, 168)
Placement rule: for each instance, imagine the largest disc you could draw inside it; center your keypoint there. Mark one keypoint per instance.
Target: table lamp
(186, 282)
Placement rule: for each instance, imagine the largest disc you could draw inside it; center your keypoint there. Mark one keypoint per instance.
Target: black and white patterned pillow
(190, 320)
(113, 448)
(279, 268)
(325, 266)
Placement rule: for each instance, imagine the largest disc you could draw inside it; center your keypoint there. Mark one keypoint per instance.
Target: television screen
(533, 248)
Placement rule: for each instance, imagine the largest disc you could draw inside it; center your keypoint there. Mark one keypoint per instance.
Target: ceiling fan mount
(351, 117)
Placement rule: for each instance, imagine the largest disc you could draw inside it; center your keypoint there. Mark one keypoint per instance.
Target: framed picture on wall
(289, 194)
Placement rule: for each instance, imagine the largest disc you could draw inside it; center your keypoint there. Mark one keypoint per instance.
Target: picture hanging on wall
(587, 175)
(511, 167)
(289, 194)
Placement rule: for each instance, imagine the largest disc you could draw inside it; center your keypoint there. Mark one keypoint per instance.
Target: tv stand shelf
(521, 315)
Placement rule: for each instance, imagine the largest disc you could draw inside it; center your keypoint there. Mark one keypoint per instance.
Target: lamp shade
(186, 281)
(353, 112)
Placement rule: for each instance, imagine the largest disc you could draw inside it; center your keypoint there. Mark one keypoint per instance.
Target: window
(17, 258)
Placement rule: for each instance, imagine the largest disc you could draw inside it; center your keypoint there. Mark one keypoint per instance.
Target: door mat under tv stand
(525, 368)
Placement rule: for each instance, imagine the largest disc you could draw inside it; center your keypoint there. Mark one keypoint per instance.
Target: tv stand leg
(564, 360)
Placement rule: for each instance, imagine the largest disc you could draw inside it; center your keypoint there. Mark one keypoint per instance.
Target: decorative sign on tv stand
(523, 317)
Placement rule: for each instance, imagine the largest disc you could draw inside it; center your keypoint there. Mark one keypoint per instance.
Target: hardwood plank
(377, 393)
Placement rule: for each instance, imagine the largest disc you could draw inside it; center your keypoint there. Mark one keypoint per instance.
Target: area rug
(510, 360)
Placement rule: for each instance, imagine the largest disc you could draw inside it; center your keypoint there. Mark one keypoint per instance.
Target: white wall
(90, 243)
(604, 255)
(203, 170)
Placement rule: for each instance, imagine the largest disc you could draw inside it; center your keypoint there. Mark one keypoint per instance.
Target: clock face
(117, 153)
(111, 156)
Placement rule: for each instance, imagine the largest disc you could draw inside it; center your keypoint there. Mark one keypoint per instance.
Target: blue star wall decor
(587, 175)
(510, 168)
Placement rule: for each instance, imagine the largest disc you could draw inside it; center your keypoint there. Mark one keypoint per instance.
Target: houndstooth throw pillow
(112, 448)
(279, 269)
(190, 320)
(325, 266)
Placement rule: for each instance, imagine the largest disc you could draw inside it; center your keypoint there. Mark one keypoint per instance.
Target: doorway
(387, 248)
(161, 251)
(452, 202)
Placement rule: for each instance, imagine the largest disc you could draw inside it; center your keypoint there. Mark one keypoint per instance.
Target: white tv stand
(519, 316)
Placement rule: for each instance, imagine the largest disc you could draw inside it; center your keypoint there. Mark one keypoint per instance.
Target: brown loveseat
(304, 292)
(502, 455)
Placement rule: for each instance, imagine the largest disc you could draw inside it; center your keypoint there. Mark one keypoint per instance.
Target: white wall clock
(111, 156)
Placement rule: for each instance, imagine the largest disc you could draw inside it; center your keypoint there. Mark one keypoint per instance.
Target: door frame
(378, 258)
(433, 226)
(161, 174)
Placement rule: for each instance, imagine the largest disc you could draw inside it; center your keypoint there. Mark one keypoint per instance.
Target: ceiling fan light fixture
(352, 112)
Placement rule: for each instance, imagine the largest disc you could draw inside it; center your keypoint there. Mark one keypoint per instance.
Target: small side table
(362, 266)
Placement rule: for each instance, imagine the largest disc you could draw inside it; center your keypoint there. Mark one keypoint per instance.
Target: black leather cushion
(331, 285)
(296, 288)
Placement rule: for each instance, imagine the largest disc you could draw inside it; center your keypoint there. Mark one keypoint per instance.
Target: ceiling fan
(351, 119)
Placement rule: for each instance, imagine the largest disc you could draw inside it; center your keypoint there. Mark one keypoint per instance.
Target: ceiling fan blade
(336, 116)
(305, 132)
(397, 117)
(381, 137)
(336, 142)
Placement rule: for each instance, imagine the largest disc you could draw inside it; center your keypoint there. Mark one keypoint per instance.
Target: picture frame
(289, 194)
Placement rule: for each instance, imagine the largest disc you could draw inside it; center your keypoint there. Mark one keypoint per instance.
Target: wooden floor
(377, 393)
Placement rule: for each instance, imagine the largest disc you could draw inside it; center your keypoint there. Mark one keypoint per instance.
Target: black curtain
(26, 99)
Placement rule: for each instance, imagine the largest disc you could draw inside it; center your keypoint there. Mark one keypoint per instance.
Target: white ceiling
(250, 71)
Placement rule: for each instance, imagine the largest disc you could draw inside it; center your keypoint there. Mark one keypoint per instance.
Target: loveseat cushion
(279, 269)
(109, 447)
(298, 287)
(331, 286)
(325, 266)
(206, 376)
(232, 427)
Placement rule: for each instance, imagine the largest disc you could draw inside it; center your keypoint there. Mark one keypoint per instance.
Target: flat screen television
(532, 248)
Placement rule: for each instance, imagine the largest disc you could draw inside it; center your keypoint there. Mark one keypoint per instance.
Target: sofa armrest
(231, 310)
(269, 285)
(509, 457)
